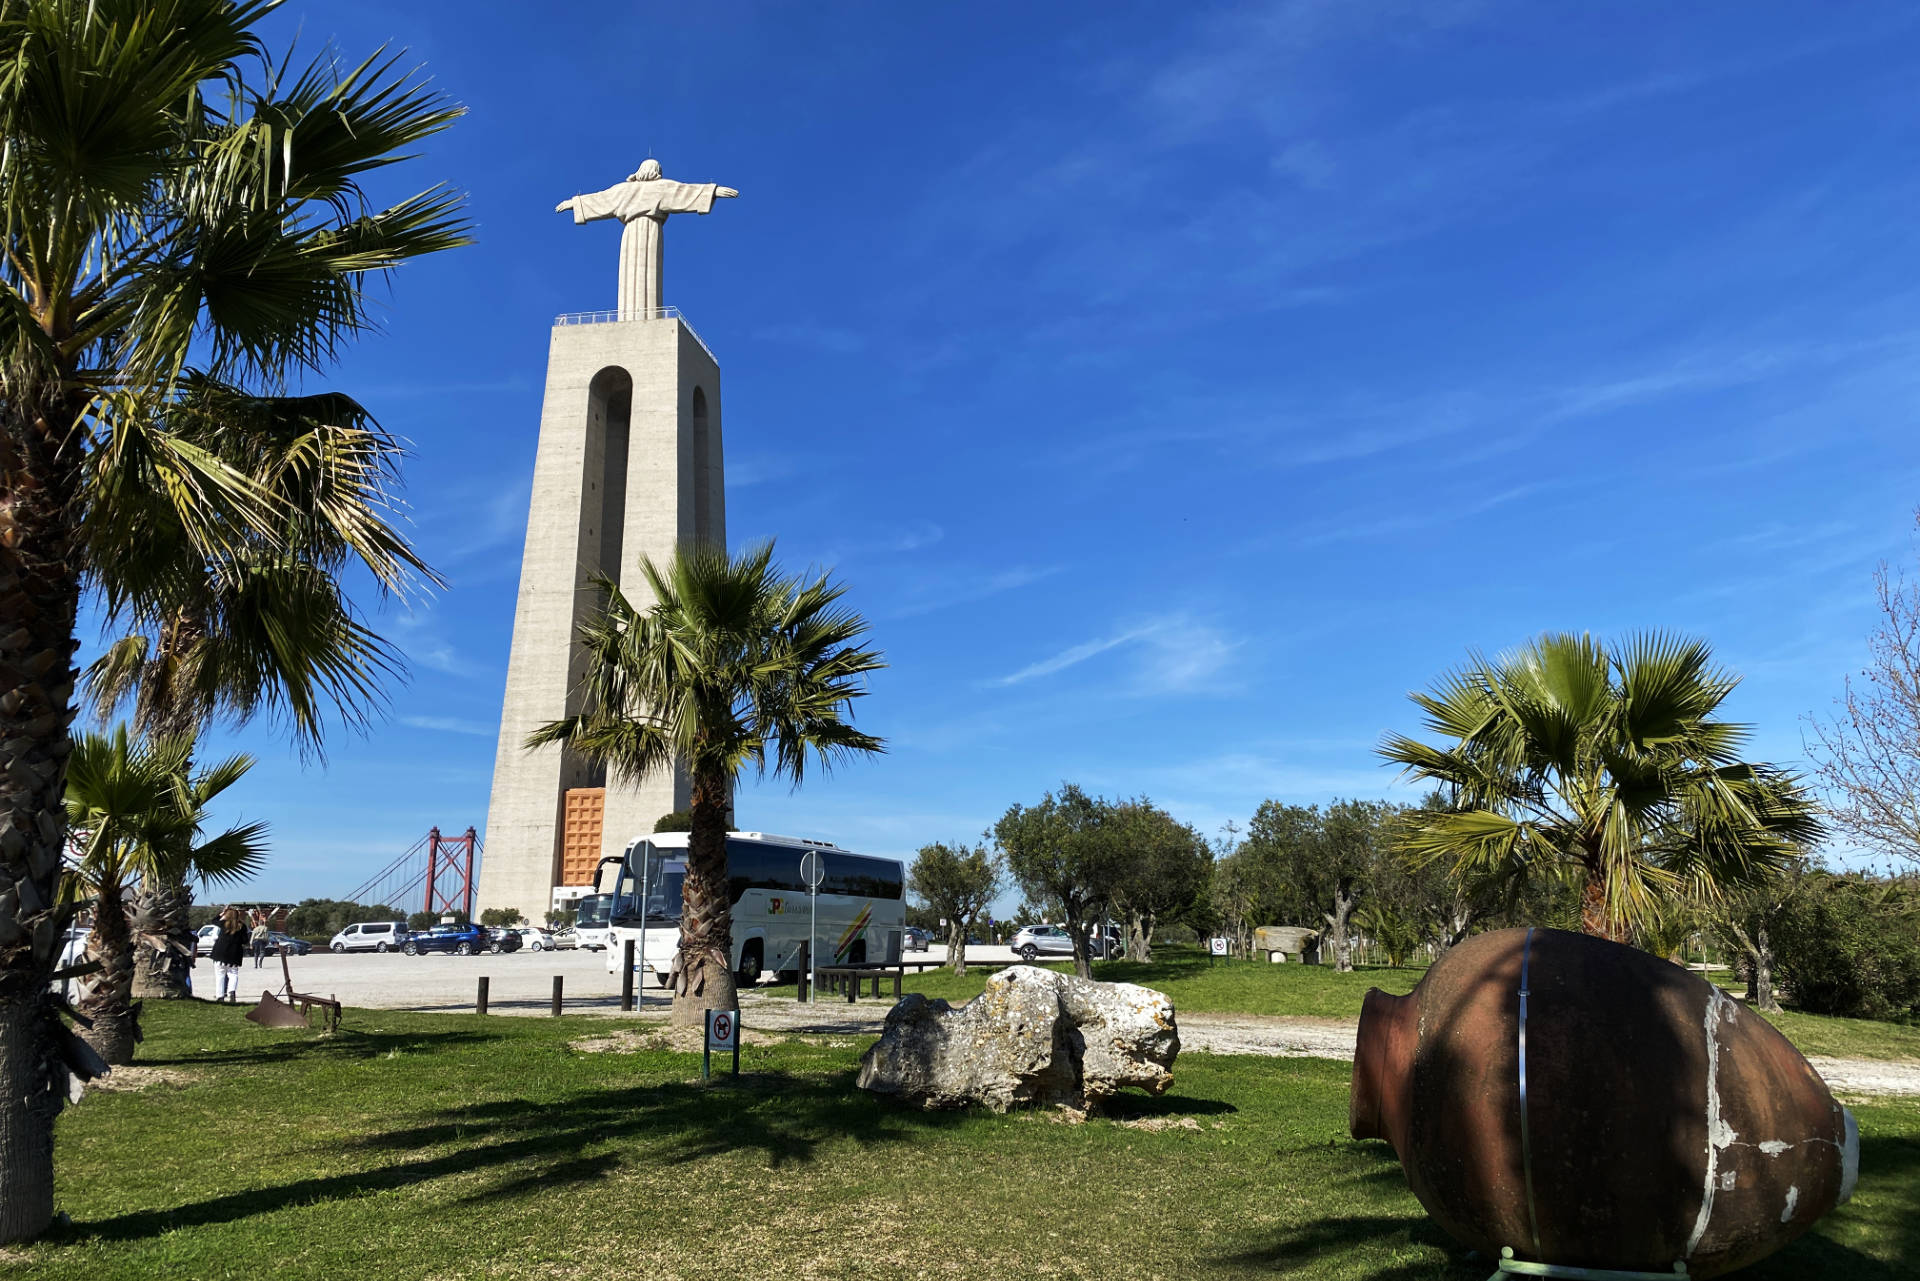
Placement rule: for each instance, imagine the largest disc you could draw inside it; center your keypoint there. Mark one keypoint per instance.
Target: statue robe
(643, 208)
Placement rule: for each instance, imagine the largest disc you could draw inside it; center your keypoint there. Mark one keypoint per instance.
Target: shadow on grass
(1133, 1107)
(784, 1117)
(1891, 1167)
(1299, 1250)
(295, 1044)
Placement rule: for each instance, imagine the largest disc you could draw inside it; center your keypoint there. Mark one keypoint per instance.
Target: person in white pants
(228, 949)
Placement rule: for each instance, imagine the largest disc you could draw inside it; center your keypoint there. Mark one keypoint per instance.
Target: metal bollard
(480, 1001)
(557, 980)
(805, 959)
(626, 979)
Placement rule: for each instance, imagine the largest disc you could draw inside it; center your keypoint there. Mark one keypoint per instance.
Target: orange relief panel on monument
(585, 817)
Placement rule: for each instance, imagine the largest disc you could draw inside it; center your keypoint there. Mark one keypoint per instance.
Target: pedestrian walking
(259, 938)
(228, 947)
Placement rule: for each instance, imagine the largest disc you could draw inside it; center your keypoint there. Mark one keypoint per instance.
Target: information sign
(1218, 946)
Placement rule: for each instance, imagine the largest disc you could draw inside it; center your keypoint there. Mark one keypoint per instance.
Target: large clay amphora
(1590, 1105)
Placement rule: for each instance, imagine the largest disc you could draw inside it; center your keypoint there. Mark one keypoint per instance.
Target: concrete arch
(703, 522)
(609, 434)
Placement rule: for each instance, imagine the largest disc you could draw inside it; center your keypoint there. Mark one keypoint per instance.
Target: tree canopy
(957, 882)
(1609, 759)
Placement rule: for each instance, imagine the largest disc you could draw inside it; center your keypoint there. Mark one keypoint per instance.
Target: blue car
(461, 940)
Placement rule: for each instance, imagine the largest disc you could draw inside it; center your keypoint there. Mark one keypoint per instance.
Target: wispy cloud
(911, 537)
(757, 469)
(1072, 656)
(417, 638)
(451, 725)
(1176, 653)
(1413, 522)
(930, 594)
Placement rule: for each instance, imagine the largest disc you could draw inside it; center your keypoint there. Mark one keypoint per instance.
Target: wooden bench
(847, 978)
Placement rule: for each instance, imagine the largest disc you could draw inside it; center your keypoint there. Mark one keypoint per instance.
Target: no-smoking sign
(723, 1028)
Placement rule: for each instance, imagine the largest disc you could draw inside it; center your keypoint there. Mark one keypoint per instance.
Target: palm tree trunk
(110, 1003)
(160, 973)
(1593, 907)
(39, 601)
(704, 978)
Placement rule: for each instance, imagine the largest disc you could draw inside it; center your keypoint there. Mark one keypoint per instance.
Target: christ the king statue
(643, 202)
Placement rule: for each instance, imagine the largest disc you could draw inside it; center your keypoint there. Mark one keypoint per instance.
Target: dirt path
(1283, 1038)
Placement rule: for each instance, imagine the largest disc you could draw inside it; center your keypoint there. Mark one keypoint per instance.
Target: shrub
(1850, 945)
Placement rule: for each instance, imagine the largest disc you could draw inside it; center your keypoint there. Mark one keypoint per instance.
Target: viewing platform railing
(628, 317)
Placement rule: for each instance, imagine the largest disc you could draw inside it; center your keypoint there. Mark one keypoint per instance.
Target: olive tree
(1068, 850)
(956, 882)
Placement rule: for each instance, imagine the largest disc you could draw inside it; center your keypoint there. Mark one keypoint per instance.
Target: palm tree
(1611, 762)
(184, 231)
(136, 811)
(733, 663)
(266, 632)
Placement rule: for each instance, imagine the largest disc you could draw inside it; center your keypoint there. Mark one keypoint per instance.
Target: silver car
(1053, 940)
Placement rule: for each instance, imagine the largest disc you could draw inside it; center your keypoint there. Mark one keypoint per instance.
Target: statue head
(648, 171)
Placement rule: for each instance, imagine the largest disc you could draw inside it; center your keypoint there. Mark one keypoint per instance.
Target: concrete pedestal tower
(629, 464)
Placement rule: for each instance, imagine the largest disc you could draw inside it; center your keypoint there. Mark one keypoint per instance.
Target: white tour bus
(860, 913)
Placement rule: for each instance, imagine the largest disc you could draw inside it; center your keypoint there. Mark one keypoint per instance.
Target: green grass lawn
(443, 1146)
(1198, 986)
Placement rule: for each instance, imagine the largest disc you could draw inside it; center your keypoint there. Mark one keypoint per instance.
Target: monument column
(629, 463)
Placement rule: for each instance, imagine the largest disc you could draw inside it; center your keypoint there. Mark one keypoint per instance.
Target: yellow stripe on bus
(859, 923)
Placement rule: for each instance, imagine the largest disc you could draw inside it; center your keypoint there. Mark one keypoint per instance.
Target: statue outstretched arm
(725, 192)
(564, 205)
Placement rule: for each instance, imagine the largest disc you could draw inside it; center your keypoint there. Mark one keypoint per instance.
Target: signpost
(813, 870)
(723, 1033)
(1216, 946)
(641, 965)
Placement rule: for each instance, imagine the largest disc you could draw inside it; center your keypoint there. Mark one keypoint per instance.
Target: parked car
(74, 949)
(497, 936)
(371, 936)
(535, 939)
(563, 940)
(461, 940)
(913, 939)
(287, 943)
(1053, 940)
(203, 939)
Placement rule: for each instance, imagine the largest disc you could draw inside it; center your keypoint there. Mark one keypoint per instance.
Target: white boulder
(1034, 1037)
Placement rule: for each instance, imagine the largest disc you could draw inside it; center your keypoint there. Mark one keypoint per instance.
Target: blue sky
(1176, 387)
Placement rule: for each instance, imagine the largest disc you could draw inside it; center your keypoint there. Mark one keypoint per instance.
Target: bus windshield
(590, 911)
(665, 873)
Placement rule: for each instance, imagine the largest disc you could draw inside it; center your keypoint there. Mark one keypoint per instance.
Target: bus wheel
(749, 965)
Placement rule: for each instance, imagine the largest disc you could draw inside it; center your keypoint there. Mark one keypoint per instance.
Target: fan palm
(136, 811)
(184, 230)
(734, 665)
(1610, 761)
(267, 632)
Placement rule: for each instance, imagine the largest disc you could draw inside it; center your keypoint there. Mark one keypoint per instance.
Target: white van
(371, 936)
